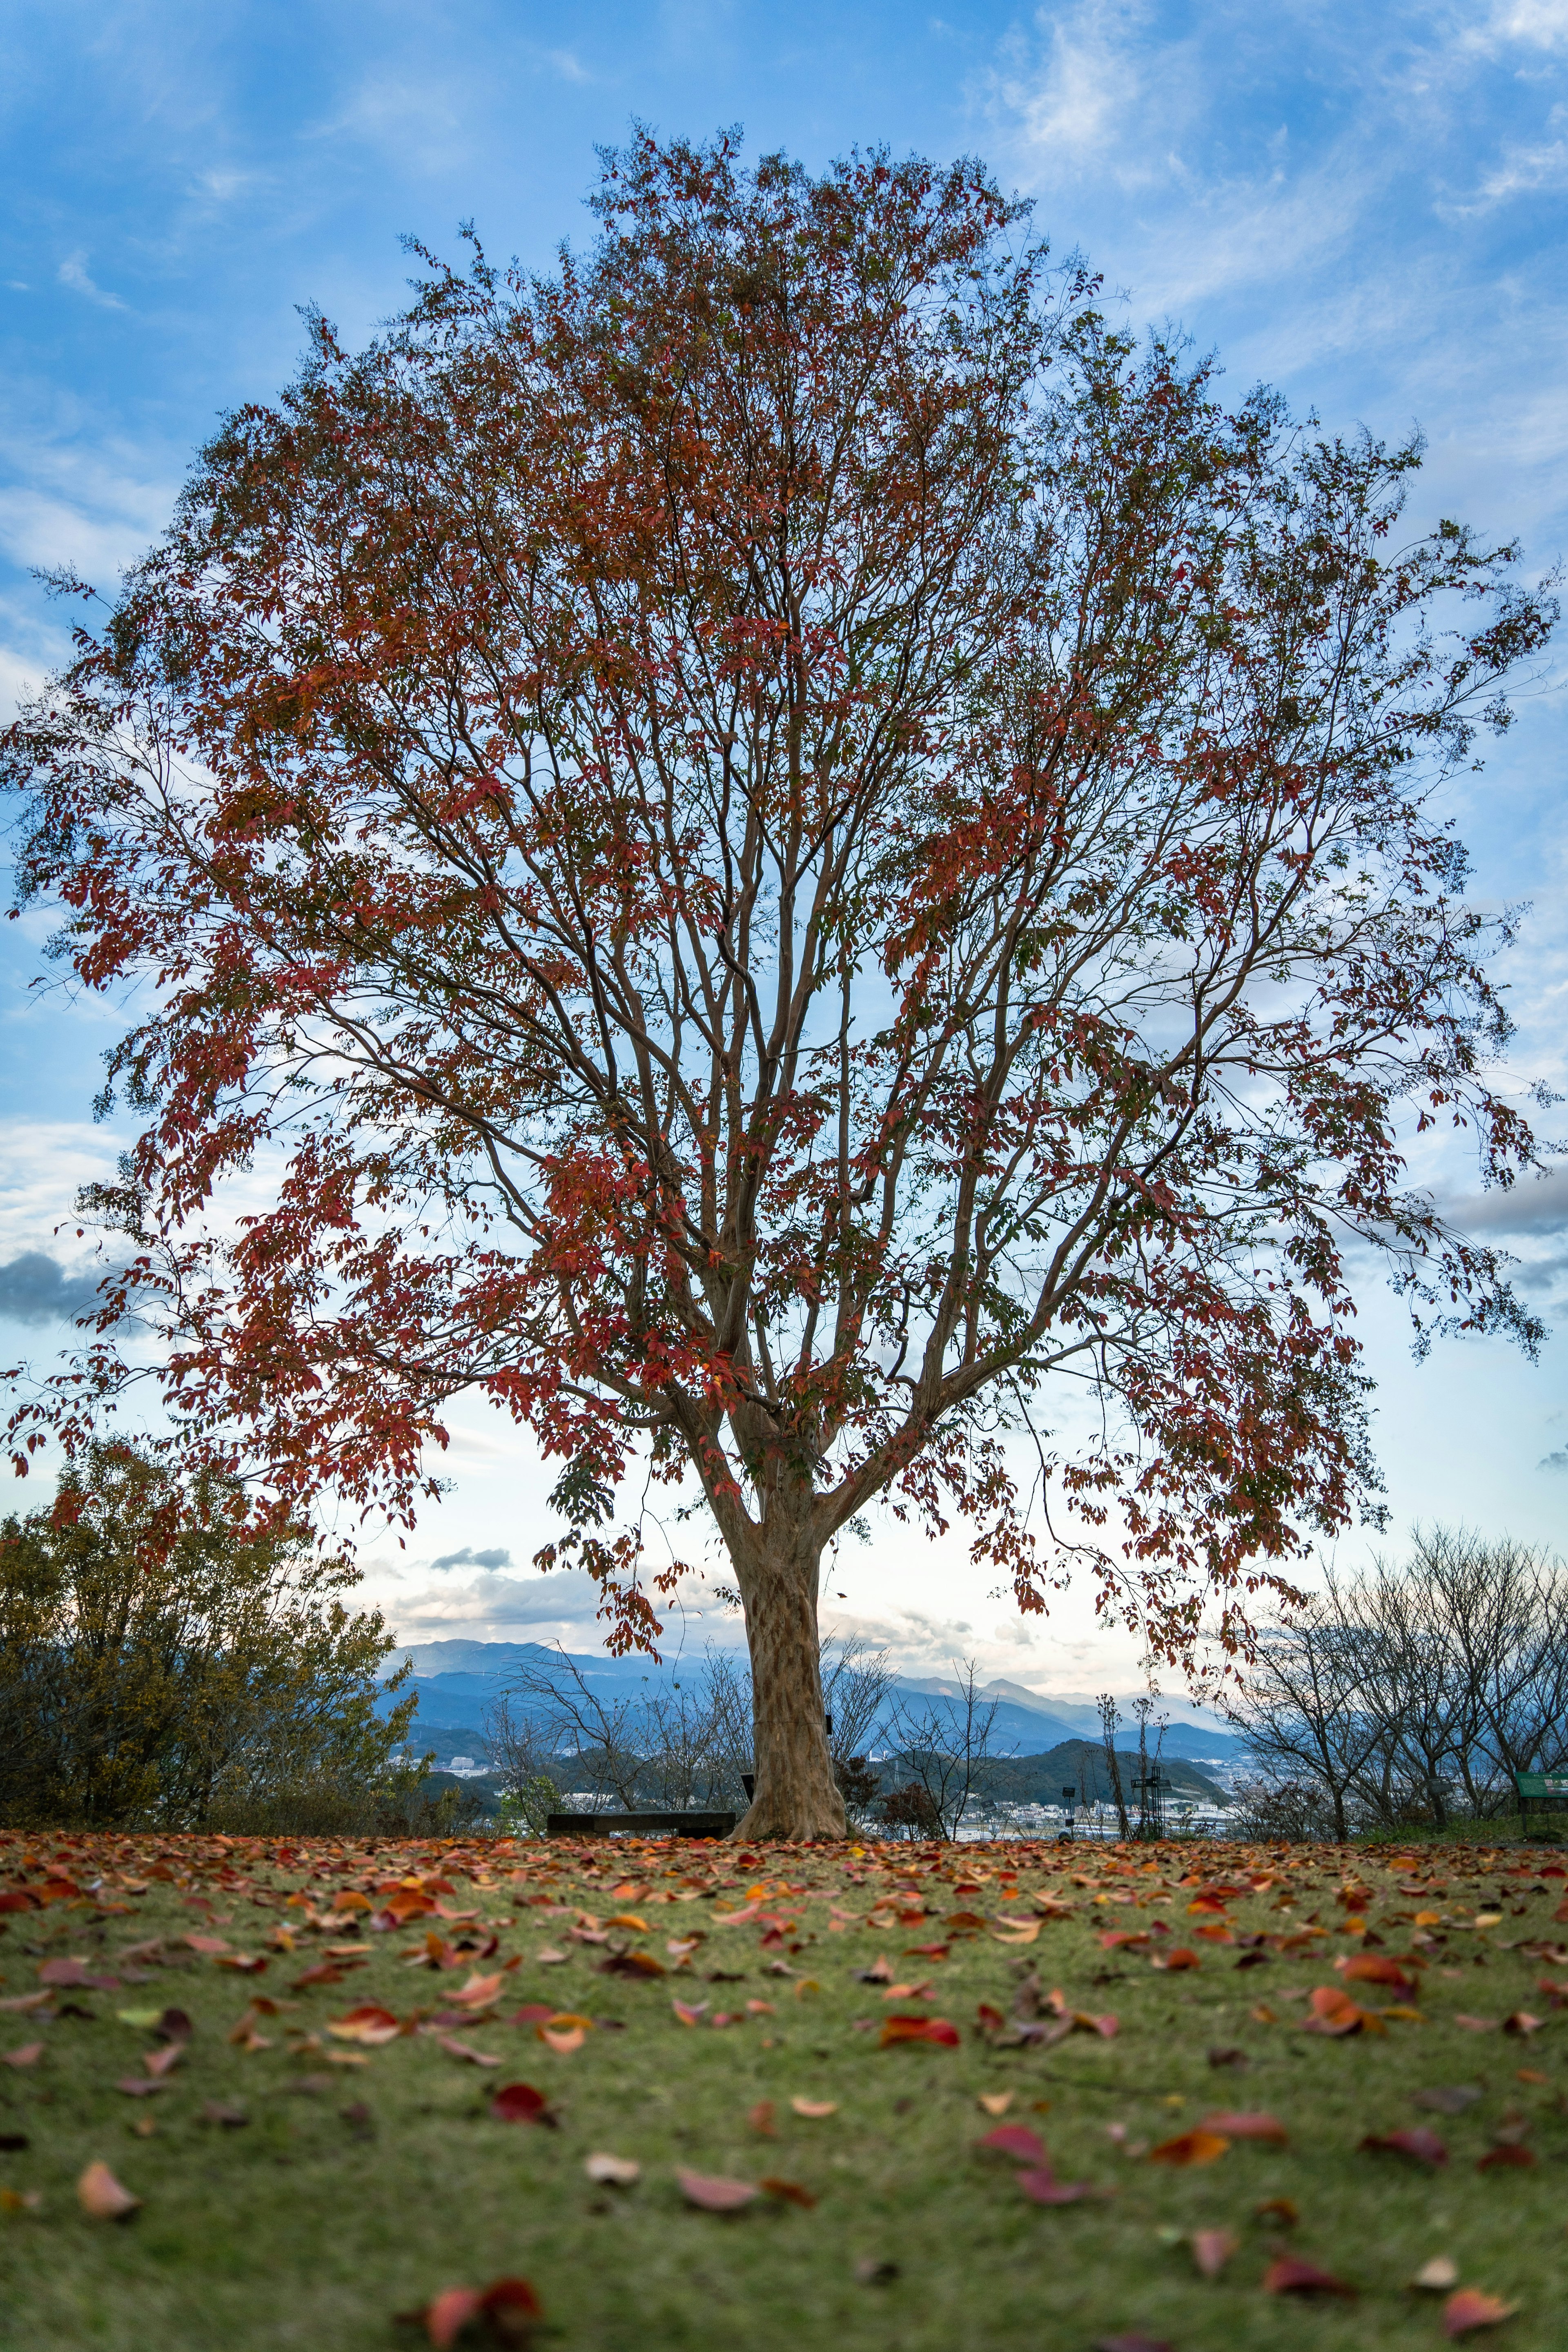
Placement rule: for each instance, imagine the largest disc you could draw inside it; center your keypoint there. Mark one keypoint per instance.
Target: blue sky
(1365, 206)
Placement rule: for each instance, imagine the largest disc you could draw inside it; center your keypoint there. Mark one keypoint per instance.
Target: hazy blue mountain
(457, 1684)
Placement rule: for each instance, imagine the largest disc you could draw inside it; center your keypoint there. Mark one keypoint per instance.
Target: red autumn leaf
(715, 2194)
(520, 2103)
(1040, 2184)
(1288, 2274)
(789, 2192)
(1247, 2126)
(1211, 2250)
(532, 2012)
(1508, 2156)
(18, 1898)
(991, 2020)
(1015, 2139)
(1422, 2145)
(1521, 2022)
(918, 2029)
(1469, 2308)
(507, 2310)
(1199, 2146)
(1181, 1958)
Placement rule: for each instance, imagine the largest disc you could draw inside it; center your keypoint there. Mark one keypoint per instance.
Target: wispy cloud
(73, 272)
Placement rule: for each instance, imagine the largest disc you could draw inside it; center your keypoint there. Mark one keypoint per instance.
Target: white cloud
(73, 272)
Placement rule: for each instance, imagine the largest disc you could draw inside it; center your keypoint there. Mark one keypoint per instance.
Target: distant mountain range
(457, 1684)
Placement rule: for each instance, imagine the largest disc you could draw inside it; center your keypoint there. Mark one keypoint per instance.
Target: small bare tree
(601, 1738)
(946, 1748)
(1109, 1721)
(522, 1760)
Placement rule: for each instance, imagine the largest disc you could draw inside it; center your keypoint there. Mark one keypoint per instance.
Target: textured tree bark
(796, 1796)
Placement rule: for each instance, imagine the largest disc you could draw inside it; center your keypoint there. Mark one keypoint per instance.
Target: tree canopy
(766, 849)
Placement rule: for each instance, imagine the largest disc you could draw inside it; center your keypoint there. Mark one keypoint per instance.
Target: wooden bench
(686, 1825)
(1542, 1788)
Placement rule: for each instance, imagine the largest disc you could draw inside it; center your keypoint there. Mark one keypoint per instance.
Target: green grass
(305, 2228)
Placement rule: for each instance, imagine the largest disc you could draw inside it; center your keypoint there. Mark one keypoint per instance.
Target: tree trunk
(796, 1795)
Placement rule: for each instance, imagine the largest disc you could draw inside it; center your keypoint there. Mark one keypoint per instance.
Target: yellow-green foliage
(162, 1660)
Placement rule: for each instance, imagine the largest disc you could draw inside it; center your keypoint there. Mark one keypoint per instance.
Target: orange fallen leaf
(1199, 2146)
(1371, 1968)
(761, 2118)
(1212, 2249)
(370, 2024)
(1247, 2126)
(1470, 2308)
(1282, 2209)
(101, 2196)
(562, 2041)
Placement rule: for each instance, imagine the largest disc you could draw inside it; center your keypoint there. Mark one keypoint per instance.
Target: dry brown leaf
(102, 2197)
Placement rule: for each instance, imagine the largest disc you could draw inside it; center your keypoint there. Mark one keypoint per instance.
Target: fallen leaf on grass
(632, 1964)
(1199, 2146)
(1016, 2140)
(1288, 2274)
(217, 2111)
(1521, 2022)
(1435, 2277)
(1183, 1957)
(1248, 2126)
(1212, 2249)
(714, 2193)
(611, 2171)
(472, 2057)
(1421, 2145)
(996, 2103)
(689, 2012)
(20, 2200)
(28, 2055)
(918, 2029)
(24, 2001)
(507, 2309)
(102, 2197)
(370, 2024)
(1509, 2154)
(1470, 2308)
(1040, 2185)
(520, 2103)
(1445, 2100)
(159, 2063)
(1283, 2210)
(789, 2192)
(1334, 2013)
(1370, 1967)
(137, 2087)
(814, 2109)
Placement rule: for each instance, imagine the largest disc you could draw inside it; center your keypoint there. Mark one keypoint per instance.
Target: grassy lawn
(300, 2188)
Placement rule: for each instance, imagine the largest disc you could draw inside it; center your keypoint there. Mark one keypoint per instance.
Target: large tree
(761, 849)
